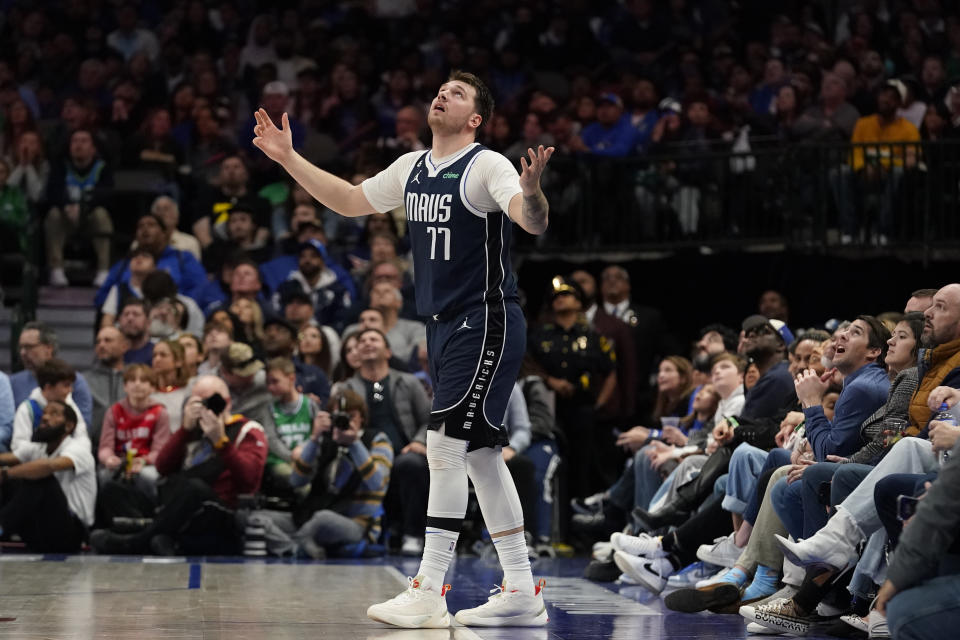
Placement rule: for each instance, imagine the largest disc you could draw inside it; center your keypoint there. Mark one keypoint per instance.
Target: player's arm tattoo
(535, 210)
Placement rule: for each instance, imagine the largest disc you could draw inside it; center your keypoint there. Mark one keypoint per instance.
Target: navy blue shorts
(474, 361)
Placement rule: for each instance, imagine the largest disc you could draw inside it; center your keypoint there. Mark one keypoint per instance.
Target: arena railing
(808, 195)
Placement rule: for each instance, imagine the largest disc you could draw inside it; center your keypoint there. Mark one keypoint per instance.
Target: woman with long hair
(349, 360)
(251, 322)
(313, 348)
(169, 367)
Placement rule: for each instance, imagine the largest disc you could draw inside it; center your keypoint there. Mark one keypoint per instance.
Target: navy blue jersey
(461, 254)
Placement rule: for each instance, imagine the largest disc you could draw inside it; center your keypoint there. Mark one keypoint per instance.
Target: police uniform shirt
(580, 356)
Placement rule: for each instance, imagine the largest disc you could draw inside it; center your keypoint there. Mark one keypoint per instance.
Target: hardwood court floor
(85, 596)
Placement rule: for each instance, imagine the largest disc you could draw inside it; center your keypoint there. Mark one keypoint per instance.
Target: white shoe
(100, 278)
(412, 546)
(602, 550)
(58, 278)
(506, 608)
(641, 545)
(723, 552)
(877, 626)
(760, 630)
(712, 580)
(420, 606)
(834, 546)
(689, 576)
(856, 622)
(779, 615)
(651, 573)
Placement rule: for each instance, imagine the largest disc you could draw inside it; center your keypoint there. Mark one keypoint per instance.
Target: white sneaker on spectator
(690, 575)
(723, 552)
(641, 545)
(58, 278)
(421, 606)
(714, 579)
(602, 550)
(780, 615)
(877, 625)
(857, 622)
(760, 630)
(100, 278)
(651, 573)
(507, 608)
(412, 546)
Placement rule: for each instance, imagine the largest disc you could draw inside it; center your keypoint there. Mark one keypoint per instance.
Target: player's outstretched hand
(531, 171)
(277, 144)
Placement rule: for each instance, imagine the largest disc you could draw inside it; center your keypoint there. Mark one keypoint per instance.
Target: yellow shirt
(870, 129)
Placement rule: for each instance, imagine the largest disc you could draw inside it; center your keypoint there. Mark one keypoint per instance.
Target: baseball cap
(669, 104)
(277, 320)
(611, 98)
(240, 360)
(276, 87)
(314, 244)
(779, 327)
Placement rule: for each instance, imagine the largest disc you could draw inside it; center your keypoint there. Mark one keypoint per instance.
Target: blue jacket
(773, 391)
(187, 274)
(864, 391)
(616, 141)
(275, 272)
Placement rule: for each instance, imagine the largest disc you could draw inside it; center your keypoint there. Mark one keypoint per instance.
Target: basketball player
(460, 199)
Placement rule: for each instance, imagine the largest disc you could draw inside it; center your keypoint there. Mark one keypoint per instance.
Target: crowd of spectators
(256, 353)
(98, 99)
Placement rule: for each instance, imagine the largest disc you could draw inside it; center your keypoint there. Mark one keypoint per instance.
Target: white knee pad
(496, 493)
(446, 458)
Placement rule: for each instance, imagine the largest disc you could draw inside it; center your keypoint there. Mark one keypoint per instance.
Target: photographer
(205, 466)
(349, 471)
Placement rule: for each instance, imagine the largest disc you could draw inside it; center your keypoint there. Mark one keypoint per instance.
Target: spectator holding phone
(207, 464)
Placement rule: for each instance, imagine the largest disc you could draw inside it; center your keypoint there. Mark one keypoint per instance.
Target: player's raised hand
(531, 171)
(277, 144)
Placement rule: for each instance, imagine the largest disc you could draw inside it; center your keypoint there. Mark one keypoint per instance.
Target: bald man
(210, 461)
(940, 365)
(105, 379)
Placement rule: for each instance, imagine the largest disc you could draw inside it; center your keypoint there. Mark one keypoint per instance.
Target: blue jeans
(775, 459)
(543, 454)
(927, 611)
(788, 505)
(746, 465)
(637, 485)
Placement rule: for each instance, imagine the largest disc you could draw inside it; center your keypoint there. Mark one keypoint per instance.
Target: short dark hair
(53, 371)
(156, 218)
(130, 301)
(483, 101)
(69, 415)
(877, 339)
(923, 293)
(729, 336)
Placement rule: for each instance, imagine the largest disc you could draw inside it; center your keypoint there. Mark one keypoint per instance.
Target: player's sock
(512, 551)
(501, 509)
(446, 503)
(439, 547)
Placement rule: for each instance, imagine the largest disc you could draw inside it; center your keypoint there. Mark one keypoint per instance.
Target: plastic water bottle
(945, 416)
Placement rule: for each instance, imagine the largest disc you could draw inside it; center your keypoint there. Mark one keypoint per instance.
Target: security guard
(580, 367)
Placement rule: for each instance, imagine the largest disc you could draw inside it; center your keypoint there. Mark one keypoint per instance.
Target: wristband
(221, 443)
